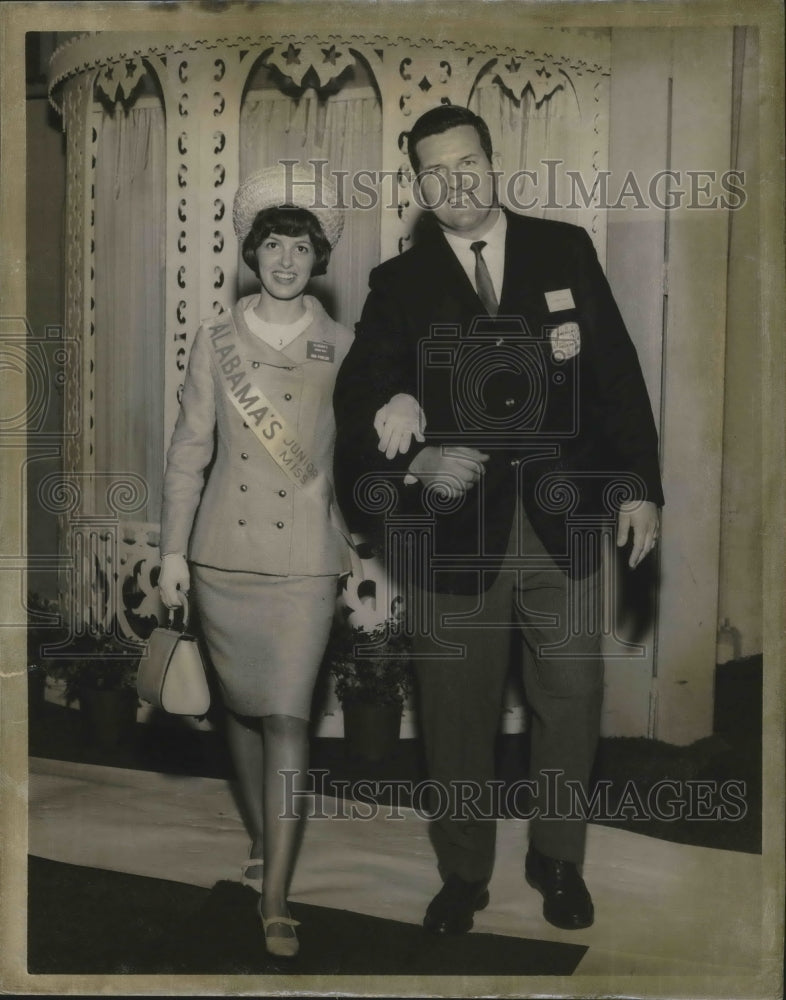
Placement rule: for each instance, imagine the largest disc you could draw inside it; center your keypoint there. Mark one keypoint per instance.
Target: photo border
(383, 18)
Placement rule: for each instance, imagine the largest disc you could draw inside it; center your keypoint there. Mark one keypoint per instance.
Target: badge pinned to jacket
(565, 341)
(319, 350)
(560, 300)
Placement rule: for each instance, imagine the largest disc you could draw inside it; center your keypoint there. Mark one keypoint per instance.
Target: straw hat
(291, 185)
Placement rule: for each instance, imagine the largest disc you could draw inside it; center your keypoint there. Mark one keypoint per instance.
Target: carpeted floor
(661, 908)
(90, 921)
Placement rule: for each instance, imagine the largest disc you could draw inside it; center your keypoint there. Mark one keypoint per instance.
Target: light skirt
(266, 636)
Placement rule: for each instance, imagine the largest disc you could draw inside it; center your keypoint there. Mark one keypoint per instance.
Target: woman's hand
(175, 580)
(397, 422)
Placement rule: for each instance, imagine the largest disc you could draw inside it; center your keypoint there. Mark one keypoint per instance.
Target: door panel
(671, 110)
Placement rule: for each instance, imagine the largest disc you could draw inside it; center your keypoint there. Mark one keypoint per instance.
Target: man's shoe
(452, 909)
(566, 900)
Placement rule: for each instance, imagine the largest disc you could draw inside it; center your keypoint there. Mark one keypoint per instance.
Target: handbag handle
(184, 609)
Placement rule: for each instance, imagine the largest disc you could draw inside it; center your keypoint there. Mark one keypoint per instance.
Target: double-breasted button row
(244, 488)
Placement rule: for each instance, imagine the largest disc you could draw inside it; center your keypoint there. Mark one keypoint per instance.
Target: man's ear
(496, 165)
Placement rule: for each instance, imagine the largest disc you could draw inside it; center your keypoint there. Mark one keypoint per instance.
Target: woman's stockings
(286, 765)
(271, 764)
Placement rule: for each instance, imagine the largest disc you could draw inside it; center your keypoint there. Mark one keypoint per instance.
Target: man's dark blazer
(550, 388)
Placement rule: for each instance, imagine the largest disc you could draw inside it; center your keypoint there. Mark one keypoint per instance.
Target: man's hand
(642, 517)
(452, 470)
(175, 580)
(397, 422)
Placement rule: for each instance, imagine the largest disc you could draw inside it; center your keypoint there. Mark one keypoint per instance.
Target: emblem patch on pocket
(565, 341)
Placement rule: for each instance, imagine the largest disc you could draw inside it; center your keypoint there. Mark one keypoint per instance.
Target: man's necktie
(483, 283)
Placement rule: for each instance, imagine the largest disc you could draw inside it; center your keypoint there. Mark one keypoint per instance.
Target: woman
(265, 541)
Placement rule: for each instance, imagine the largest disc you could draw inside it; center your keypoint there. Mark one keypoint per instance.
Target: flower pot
(36, 690)
(108, 717)
(371, 731)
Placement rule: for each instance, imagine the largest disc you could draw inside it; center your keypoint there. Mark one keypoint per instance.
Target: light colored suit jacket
(251, 516)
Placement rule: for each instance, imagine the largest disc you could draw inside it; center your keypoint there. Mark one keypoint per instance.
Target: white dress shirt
(493, 252)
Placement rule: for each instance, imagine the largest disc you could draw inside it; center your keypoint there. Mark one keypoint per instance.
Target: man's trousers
(460, 700)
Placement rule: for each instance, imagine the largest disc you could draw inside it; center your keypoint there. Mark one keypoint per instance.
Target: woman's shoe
(281, 947)
(253, 883)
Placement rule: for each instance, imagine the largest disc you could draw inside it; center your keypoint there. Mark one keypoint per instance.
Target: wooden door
(671, 111)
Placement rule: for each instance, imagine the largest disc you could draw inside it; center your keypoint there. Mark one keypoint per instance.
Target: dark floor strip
(89, 921)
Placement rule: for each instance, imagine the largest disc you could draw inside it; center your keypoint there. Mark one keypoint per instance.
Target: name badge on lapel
(560, 300)
(319, 350)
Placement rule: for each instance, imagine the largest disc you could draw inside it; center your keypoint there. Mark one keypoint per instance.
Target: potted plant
(99, 670)
(44, 628)
(373, 678)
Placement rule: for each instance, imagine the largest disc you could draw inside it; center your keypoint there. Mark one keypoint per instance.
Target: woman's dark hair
(441, 119)
(287, 220)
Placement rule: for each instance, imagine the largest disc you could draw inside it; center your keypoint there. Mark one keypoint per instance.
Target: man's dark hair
(287, 220)
(441, 119)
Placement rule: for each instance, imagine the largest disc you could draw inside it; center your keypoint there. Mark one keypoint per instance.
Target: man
(498, 336)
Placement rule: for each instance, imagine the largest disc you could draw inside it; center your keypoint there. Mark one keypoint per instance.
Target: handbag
(172, 674)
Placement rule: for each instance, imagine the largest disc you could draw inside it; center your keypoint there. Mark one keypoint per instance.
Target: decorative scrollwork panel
(310, 62)
(202, 77)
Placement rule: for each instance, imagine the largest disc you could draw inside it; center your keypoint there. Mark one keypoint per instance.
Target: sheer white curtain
(345, 130)
(129, 296)
(525, 135)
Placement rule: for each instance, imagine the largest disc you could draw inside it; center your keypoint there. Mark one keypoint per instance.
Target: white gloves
(397, 422)
(175, 579)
